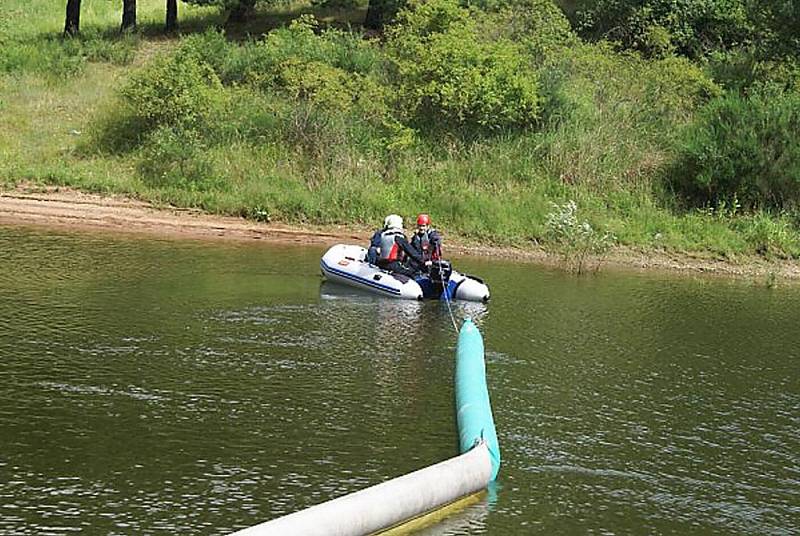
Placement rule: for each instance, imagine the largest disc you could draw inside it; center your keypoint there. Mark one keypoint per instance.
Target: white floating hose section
(385, 505)
(408, 497)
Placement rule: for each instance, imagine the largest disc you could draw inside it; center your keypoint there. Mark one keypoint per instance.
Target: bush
(609, 117)
(539, 26)
(744, 71)
(743, 148)
(657, 27)
(445, 71)
(180, 91)
(676, 87)
(575, 241)
(261, 60)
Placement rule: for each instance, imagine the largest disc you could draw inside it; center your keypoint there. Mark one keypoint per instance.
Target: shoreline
(66, 208)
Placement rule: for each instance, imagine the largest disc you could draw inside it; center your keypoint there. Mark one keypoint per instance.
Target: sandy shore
(67, 208)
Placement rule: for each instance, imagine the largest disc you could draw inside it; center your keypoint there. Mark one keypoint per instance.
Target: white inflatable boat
(346, 264)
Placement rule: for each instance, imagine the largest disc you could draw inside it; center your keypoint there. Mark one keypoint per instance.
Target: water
(155, 387)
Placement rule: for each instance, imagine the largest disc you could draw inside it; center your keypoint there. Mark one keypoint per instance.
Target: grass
(54, 92)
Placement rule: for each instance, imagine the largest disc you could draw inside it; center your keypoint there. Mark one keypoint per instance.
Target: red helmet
(423, 219)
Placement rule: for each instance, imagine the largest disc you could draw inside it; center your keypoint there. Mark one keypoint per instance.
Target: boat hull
(346, 264)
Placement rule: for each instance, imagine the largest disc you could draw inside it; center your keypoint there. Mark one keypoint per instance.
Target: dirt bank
(67, 208)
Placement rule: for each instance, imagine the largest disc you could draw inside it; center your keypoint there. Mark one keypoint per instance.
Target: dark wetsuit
(374, 246)
(429, 243)
(429, 247)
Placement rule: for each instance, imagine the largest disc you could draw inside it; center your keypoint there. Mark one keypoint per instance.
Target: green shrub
(180, 90)
(446, 72)
(742, 147)
(345, 50)
(301, 40)
(211, 48)
(674, 88)
(744, 71)
(609, 117)
(539, 26)
(657, 27)
(575, 240)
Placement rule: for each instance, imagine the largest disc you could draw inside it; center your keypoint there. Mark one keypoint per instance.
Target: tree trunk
(172, 15)
(375, 14)
(72, 23)
(381, 12)
(128, 15)
(241, 11)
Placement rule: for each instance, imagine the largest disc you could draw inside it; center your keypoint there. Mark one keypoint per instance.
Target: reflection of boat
(346, 264)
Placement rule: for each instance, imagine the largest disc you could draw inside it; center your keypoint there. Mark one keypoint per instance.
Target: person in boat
(375, 243)
(390, 250)
(427, 240)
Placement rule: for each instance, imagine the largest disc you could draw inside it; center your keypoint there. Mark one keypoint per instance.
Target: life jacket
(423, 243)
(390, 250)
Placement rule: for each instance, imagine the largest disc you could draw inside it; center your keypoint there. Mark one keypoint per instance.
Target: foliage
(335, 4)
(769, 236)
(767, 31)
(776, 25)
(307, 123)
(260, 61)
(657, 27)
(742, 147)
(745, 70)
(176, 158)
(59, 57)
(539, 26)
(180, 90)
(445, 71)
(573, 239)
(610, 116)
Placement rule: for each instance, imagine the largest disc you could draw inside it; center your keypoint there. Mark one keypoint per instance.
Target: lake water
(159, 387)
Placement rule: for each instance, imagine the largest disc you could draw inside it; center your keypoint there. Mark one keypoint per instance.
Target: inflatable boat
(347, 264)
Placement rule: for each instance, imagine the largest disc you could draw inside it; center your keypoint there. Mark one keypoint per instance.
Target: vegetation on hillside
(663, 124)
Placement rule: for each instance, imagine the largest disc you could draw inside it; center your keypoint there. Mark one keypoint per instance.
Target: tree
(72, 22)
(776, 26)
(128, 15)
(381, 12)
(172, 15)
(241, 10)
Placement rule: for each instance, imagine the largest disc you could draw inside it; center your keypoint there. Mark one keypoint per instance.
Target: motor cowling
(441, 271)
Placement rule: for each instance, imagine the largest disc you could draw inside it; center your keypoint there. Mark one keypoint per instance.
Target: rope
(450, 309)
(446, 291)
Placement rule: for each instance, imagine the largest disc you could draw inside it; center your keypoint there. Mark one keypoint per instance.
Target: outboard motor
(440, 275)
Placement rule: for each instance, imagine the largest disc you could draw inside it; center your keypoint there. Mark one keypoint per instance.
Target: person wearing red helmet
(427, 240)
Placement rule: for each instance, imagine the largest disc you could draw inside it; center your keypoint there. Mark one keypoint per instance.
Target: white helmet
(393, 221)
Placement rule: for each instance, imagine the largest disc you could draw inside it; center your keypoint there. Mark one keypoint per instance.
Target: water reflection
(405, 311)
